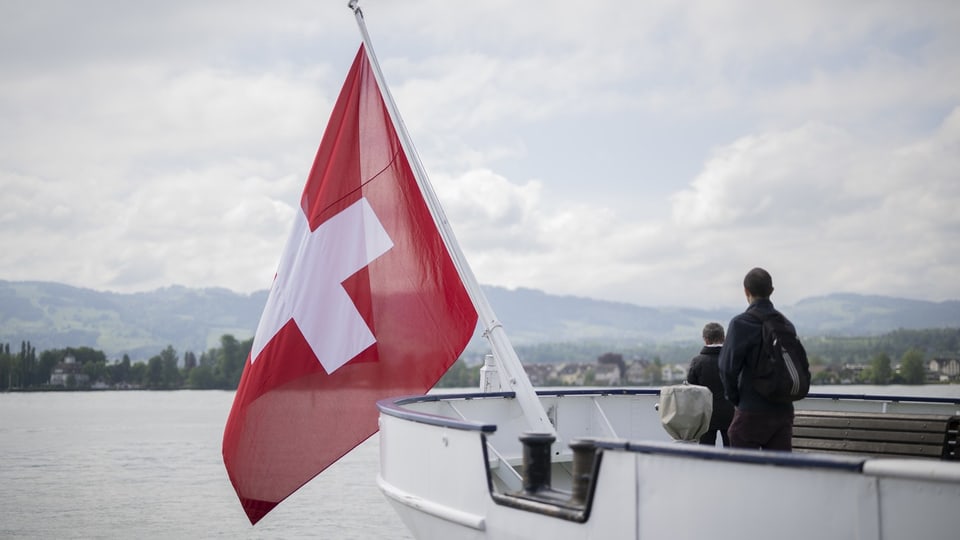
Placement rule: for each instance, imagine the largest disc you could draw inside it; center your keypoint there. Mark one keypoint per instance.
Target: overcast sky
(648, 152)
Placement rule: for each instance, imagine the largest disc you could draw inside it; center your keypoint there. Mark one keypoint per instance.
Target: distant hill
(844, 314)
(532, 316)
(53, 315)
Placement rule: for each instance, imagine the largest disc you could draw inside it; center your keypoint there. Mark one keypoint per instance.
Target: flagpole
(503, 351)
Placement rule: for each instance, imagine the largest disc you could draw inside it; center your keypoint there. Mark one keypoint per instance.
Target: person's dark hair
(758, 283)
(713, 333)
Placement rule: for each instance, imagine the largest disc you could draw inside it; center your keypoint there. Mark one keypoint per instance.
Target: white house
(948, 368)
(68, 373)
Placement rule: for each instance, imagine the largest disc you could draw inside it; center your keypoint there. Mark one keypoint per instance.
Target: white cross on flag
(366, 304)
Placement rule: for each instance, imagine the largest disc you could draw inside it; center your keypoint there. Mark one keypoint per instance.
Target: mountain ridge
(54, 315)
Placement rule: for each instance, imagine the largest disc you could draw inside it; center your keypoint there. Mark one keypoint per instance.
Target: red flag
(366, 304)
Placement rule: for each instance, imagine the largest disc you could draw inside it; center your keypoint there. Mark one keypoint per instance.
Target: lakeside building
(69, 374)
(643, 373)
(946, 369)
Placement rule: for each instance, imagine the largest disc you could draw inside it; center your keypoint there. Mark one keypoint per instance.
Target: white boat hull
(448, 461)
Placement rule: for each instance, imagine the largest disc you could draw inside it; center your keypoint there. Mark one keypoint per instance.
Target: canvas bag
(685, 411)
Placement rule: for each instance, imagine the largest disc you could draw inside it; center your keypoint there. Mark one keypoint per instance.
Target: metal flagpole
(503, 351)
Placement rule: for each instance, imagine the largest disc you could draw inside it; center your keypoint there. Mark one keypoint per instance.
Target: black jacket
(705, 371)
(740, 349)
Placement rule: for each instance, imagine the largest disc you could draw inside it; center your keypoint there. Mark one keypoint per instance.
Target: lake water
(148, 465)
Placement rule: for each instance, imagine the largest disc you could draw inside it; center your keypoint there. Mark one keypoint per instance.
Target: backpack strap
(755, 313)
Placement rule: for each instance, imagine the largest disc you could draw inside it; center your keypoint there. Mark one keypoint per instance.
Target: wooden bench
(877, 434)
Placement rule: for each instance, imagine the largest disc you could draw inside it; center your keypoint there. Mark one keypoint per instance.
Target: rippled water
(148, 465)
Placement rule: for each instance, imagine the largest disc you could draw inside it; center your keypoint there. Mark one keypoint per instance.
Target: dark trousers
(762, 430)
(710, 437)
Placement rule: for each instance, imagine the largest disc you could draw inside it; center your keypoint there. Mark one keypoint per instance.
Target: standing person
(705, 371)
(757, 422)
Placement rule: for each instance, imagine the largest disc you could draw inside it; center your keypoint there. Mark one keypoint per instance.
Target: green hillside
(53, 315)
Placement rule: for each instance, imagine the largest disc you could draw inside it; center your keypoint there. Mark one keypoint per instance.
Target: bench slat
(889, 424)
(867, 447)
(876, 434)
(844, 452)
(861, 414)
(922, 437)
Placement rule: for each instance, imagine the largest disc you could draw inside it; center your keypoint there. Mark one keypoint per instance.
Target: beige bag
(685, 411)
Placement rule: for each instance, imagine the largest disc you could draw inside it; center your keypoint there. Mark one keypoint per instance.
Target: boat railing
(771, 457)
(880, 403)
(599, 421)
(400, 408)
(613, 418)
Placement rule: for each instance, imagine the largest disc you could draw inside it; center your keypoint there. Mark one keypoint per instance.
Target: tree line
(830, 350)
(879, 370)
(217, 368)
(220, 367)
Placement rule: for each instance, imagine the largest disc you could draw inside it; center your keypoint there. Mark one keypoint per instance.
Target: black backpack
(781, 372)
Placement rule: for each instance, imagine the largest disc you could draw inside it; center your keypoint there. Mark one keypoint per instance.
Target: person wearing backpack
(762, 377)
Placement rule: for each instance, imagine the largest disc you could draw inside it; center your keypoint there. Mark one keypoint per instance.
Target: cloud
(649, 153)
(820, 208)
(820, 205)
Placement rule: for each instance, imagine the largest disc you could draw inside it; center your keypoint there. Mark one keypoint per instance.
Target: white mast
(503, 352)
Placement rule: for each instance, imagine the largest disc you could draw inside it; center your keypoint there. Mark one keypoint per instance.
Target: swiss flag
(366, 304)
